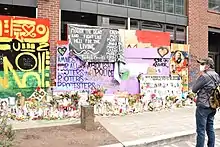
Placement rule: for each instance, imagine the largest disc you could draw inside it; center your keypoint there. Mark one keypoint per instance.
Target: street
(191, 143)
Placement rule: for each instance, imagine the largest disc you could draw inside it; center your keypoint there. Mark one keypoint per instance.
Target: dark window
(169, 6)
(105, 1)
(148, 25)
(13, 10)
(69, 17)
(171, 30)
(134, 24)
(133, 3)
(158, 5)
(120, 2)
(180, 34)
(146, 4)
(113, 22)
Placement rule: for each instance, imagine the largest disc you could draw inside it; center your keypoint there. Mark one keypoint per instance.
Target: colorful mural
(24, 55)
(150, 61)
(179, 63)
(74, 74)
(144, 39)
(146, 52)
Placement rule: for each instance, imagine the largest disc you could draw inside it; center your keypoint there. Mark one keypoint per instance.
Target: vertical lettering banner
(24, 54)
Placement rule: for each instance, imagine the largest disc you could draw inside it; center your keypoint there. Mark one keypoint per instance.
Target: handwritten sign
(160, 86)
(95, 44)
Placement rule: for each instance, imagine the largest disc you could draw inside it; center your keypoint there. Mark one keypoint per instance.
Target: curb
(159, 141)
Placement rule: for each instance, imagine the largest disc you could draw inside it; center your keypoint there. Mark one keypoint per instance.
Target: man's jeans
(205, 122)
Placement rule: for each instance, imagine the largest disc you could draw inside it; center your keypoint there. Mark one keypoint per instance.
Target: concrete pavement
(145, 129)
(154, 128)
(191, 143)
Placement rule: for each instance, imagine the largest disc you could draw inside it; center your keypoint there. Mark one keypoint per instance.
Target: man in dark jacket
(204, 113)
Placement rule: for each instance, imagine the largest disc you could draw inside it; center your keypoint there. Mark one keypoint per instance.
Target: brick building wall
(50, 9)
(199, 20)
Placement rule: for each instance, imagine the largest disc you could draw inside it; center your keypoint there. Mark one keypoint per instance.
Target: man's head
(179, 57)
(206, 63)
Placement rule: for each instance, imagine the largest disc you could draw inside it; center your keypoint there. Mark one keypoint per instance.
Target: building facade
(189, 22)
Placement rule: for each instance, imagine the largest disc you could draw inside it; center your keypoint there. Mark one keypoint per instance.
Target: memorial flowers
(75, 99)
(96, 96)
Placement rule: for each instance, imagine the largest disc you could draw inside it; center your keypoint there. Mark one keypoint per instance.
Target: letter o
(66, 79)
(26, 53)
(41, 29)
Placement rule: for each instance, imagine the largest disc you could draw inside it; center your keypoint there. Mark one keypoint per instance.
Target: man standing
(204, 113)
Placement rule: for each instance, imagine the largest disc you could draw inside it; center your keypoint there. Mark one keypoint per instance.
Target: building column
(197, 35)
(50, 9)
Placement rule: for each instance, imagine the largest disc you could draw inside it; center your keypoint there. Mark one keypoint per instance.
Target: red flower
(38, 88)
(153, 95)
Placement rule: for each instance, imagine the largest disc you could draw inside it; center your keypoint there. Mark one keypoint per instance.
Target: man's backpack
(214, 99)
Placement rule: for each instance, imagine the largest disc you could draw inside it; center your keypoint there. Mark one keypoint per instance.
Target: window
(148, 25)
(120, 2)
(113, 22)
(146, 4)
(171, 30)
(169, 6)
(134, 24)
(105, 1)
(158, 5)
(133, 3)
(180, 7)
(214, 5)
(180, 34)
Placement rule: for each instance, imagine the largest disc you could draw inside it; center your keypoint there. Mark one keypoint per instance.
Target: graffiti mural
(24, 54)
(179, 63)
(74, 74)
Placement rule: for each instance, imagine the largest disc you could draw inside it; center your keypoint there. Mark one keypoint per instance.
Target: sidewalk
(151, 127)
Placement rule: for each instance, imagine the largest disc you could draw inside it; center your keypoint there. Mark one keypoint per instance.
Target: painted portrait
(179, 62)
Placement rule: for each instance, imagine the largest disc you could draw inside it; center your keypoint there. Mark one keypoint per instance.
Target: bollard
(87, 117)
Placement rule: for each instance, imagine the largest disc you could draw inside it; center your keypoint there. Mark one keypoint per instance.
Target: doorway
(214, 48)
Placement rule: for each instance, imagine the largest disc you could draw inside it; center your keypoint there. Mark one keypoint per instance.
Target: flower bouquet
(135, 101)
(75, 99)
(96, 96)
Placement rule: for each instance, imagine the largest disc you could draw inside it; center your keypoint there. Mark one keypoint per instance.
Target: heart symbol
(162, 51)
(29, 29)
(62, 50)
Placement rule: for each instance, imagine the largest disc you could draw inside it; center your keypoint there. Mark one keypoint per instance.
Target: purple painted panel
(146, 53)
(147, 61)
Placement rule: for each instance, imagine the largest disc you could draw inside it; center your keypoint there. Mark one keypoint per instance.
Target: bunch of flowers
(75, 99)
(171, 98)
(65, 95)
(132, 99)
(96, 96)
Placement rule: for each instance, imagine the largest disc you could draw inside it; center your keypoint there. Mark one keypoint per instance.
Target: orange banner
(24, 29)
